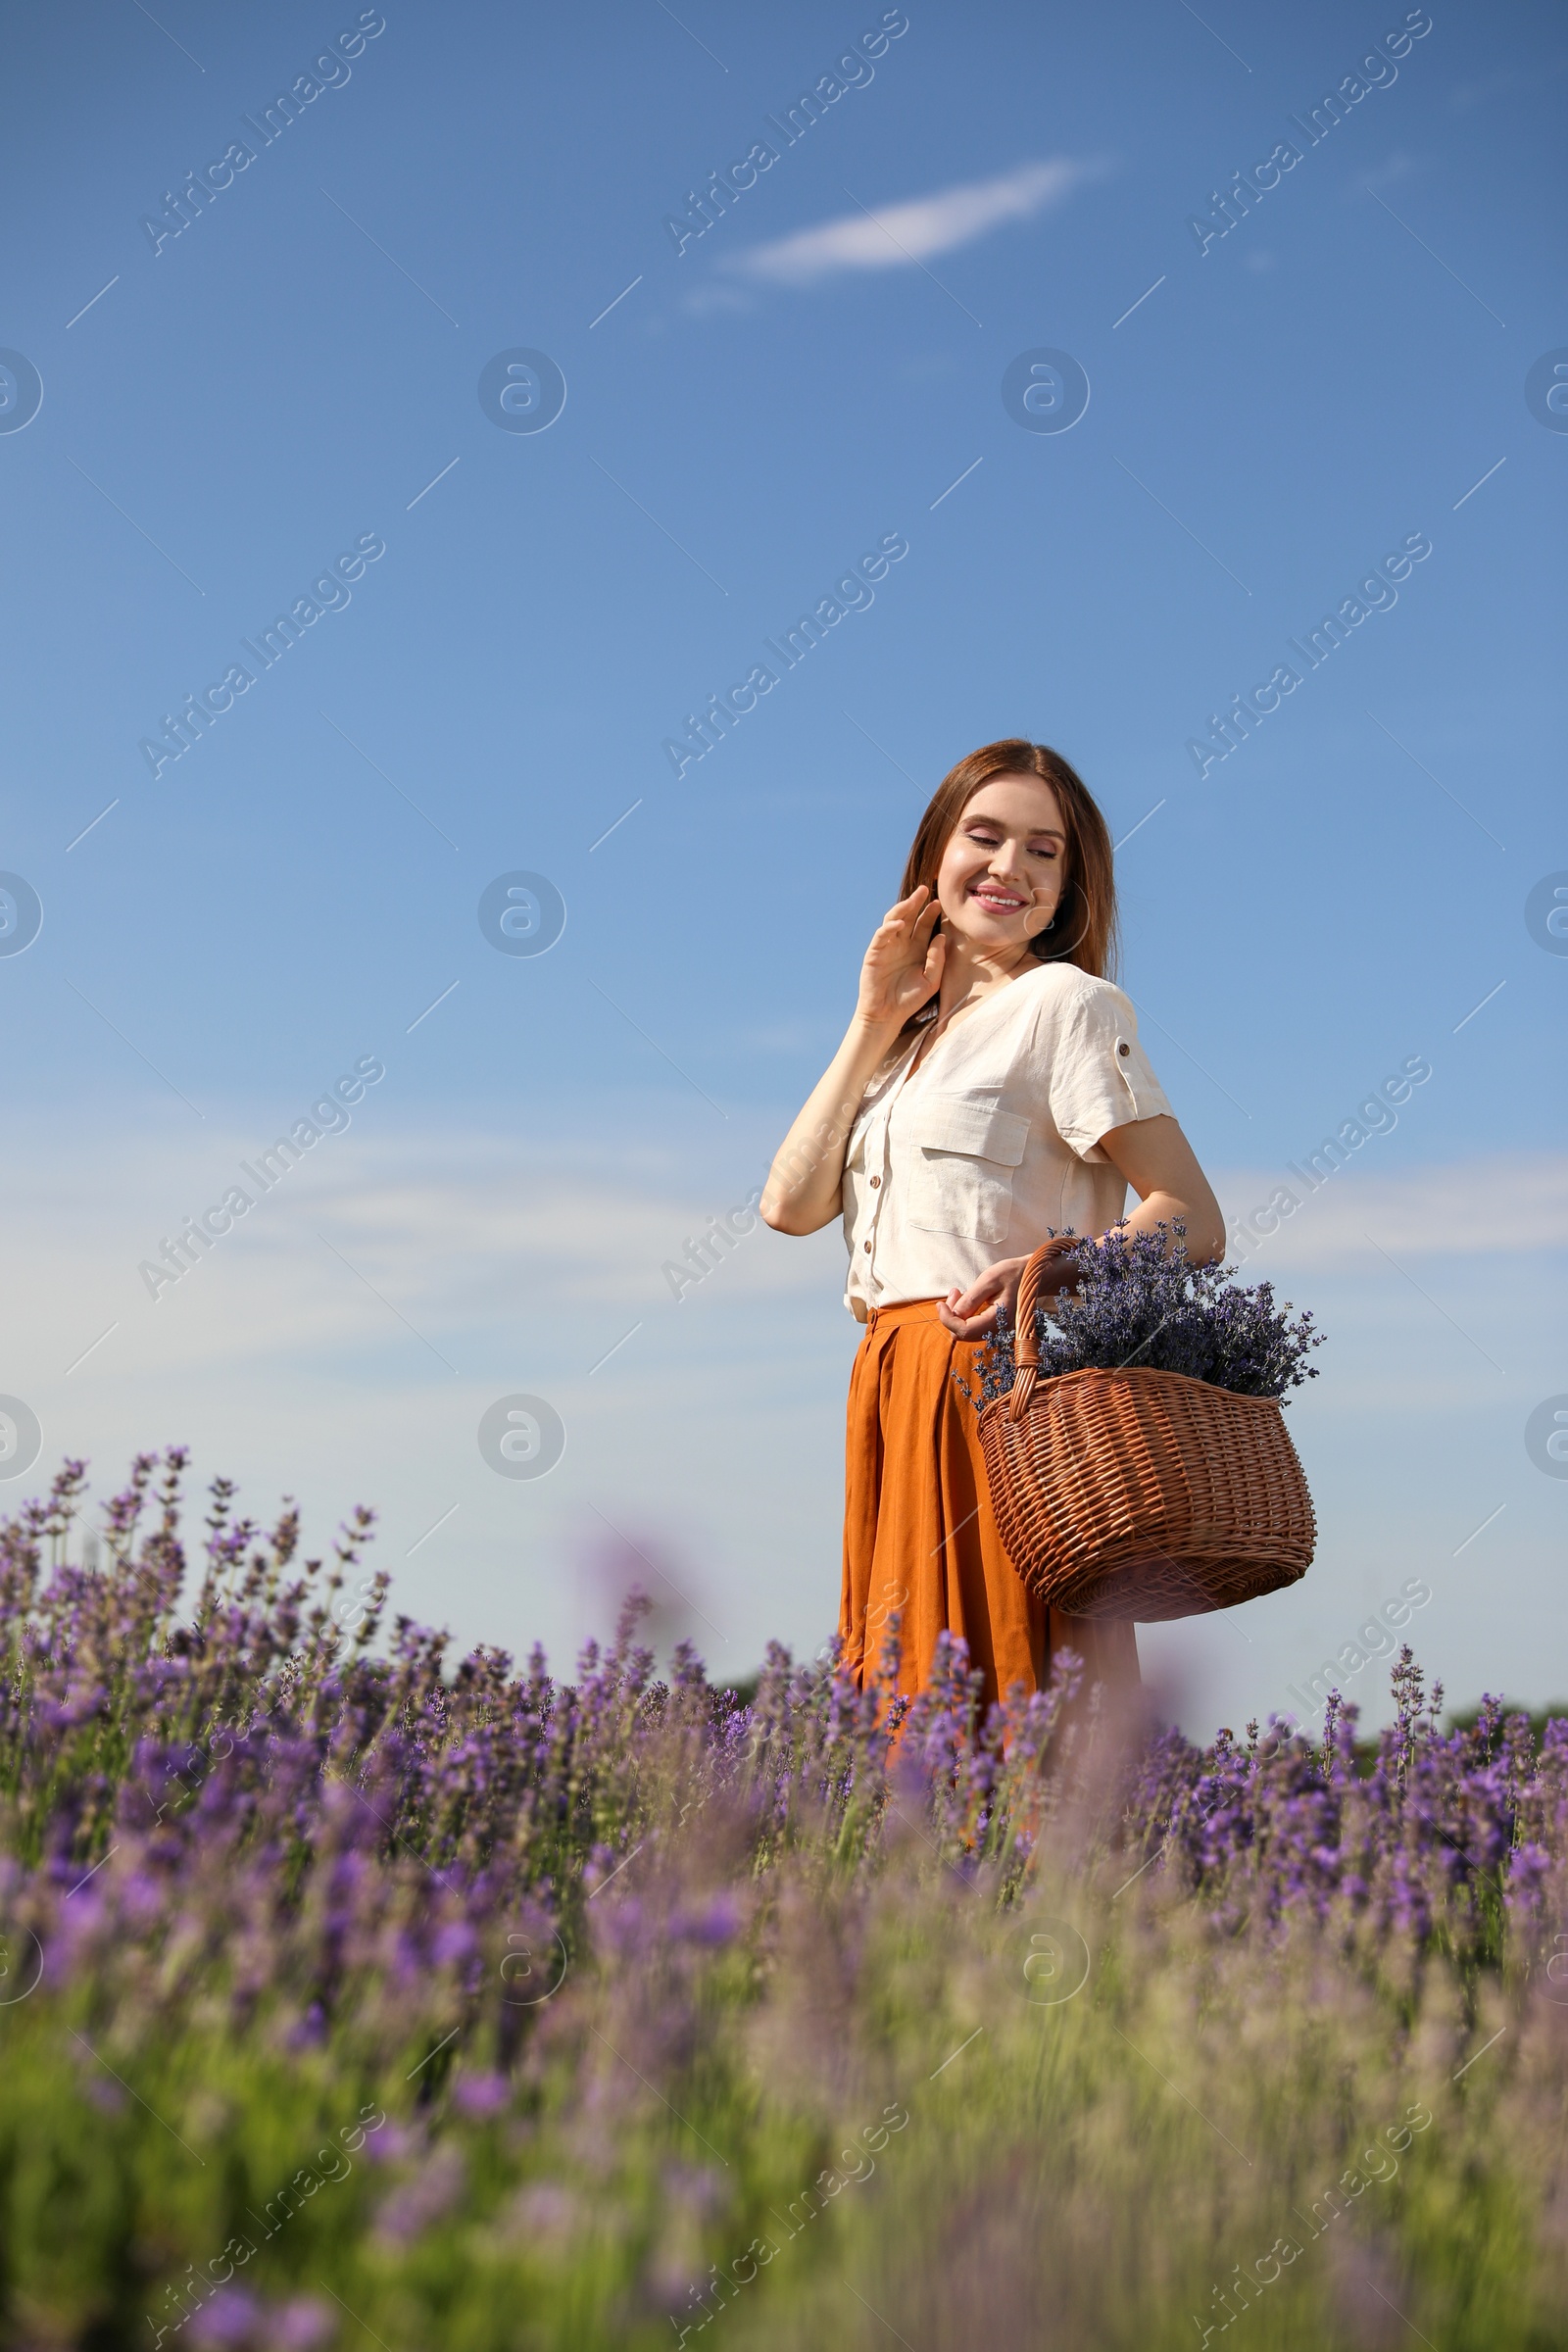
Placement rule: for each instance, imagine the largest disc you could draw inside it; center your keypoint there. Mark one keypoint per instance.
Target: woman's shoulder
(1061, 990)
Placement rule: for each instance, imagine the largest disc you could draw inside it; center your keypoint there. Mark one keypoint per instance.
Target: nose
(1006, 864)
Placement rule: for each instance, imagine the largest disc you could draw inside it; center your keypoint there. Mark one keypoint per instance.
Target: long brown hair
(1083, 931)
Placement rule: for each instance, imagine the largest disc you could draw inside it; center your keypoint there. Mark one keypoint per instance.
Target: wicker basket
(1141, 1494)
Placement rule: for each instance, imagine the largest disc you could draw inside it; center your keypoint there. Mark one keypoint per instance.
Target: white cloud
(903, 233)
(1483, 1207)
(466, 1233)
(1398, 166)
(703, 301)
(342, 1342)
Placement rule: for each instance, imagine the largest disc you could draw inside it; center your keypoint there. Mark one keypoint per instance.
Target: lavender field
(355, 1996)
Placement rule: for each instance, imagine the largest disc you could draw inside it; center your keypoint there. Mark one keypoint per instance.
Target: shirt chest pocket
(964, 1153)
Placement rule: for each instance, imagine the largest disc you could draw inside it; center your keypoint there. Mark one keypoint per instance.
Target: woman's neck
(970, 973)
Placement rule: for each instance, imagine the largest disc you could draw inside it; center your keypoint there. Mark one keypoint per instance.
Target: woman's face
(1004, 865)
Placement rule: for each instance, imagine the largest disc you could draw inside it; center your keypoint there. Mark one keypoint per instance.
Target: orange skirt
(919, 1541)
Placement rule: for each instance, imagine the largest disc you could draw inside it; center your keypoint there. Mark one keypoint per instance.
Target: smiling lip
(1000, 902)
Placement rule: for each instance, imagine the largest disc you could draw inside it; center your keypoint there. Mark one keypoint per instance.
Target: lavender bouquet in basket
(1137, 1299)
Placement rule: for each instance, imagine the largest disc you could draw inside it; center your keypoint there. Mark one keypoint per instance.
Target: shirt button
(865, 1246)
(875, 1180)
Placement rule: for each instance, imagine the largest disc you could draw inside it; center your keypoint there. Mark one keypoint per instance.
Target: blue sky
(1271, 412)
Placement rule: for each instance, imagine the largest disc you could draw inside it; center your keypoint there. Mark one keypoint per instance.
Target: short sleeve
(1100, 1073)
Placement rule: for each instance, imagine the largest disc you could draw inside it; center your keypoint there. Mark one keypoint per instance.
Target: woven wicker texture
(1141, 1494)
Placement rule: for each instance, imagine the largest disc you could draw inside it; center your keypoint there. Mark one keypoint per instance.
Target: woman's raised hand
(902, 970)
(903, 963)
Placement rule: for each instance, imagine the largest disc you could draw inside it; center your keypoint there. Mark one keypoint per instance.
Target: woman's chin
(991, 934)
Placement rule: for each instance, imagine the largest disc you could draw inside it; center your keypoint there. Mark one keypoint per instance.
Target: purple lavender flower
(1138, 1300)
(481, 2094)
(229, 2319)
(301, 2325)
(431, 2193)
(254, 1850)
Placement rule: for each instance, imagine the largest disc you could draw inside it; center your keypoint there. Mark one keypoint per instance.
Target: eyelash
(987, 842)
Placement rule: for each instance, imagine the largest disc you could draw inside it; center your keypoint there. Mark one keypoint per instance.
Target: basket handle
(1026, 1355)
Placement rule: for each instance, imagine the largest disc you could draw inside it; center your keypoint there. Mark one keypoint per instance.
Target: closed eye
(985, 837)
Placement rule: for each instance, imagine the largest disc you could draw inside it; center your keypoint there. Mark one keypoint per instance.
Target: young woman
(991, 1088)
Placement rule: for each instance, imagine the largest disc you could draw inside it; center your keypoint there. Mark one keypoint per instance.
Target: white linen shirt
(994, 1140)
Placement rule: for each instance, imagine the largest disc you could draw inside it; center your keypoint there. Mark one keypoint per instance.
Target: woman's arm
(805, 1188)
(903, 968)
(1161, 1165)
